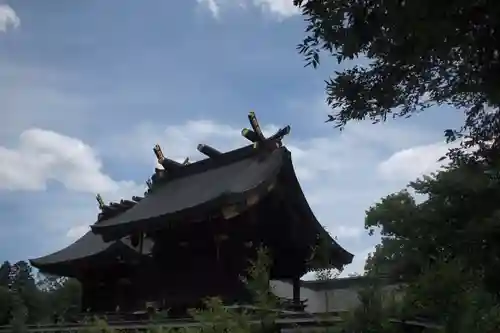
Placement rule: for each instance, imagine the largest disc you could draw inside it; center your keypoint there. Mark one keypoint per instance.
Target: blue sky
(88, 87)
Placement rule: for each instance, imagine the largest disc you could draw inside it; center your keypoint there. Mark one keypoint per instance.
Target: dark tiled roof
(197, 188)
(87, 246)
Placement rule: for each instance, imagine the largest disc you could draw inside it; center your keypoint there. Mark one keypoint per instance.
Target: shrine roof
(87, 246)
(183, 191)
(198, 188)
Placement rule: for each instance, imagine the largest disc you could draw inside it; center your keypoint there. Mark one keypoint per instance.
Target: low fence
(168, 324)
(285, 325)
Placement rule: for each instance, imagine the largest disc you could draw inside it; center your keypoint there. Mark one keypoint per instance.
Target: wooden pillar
(141, 243)
(87, 301)
(84, 302)
(296, 292)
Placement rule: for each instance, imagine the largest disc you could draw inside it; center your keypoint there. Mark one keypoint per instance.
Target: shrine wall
(323, 296)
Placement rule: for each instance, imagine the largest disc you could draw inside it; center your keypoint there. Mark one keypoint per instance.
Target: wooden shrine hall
(193, 232)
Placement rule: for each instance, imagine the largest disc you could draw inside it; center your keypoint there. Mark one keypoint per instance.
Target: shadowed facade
(195, 230)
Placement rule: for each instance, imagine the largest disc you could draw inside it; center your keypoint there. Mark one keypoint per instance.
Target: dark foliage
(443, 241)
(25, 299)
(419, 52)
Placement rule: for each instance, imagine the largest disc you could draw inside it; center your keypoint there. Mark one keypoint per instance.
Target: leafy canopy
(456, 218)
(418, 52)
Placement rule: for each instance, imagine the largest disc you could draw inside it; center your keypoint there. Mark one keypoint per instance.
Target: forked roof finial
(159, 154)
(100, 202)
(256, 127)
(256, 136)
(167, 163)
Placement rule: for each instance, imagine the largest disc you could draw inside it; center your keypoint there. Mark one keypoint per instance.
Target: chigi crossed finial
(256, 136)
(167, 163)
(100, 202)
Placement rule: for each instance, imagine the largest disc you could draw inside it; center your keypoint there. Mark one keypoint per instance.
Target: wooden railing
(291, 322)
(129, 326)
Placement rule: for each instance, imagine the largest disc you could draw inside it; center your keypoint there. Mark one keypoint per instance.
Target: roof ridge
(174, 170)
(203, 165)
(215, 159)
(114, 209)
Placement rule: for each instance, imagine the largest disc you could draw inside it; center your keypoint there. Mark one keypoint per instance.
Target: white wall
(326, 300)
(346, 298)
(285, 289)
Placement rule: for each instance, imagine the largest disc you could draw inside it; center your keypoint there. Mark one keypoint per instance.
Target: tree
(65, 299)
(445, 245)
(458, 220)
(49, 283)
(419, 52)
(19, 314)
(26, 300)
(22, 277)
(5, 274)
(24, 286)
(5, 305)
(370, 316)
(444, 241)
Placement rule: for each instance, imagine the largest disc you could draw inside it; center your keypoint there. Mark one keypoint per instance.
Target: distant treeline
(35, 299)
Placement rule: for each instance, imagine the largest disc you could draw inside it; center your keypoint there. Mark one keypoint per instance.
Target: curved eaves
(300, 202)
(88, 245)
(196, 194)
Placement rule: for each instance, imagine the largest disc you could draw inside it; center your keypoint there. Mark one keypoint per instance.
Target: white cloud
(8, 18)
(42, 156)
(344, 231)
(280, 9)
(177, 141)
(212, 6)
(411, 163)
